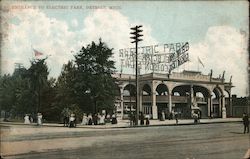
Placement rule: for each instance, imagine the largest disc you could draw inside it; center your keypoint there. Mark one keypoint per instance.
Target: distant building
(182, 93)
(240, 106)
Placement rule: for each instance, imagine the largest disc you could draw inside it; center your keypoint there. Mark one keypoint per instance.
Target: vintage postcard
(124, 79)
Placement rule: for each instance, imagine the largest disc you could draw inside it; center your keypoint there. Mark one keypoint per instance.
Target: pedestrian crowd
(89, 119)
(143, 119)
(28, 119)
(170, 116)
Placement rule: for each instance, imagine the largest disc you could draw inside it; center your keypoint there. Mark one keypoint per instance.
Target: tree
(64, 88)
(7, 93)
(94, 82)
(38, 76)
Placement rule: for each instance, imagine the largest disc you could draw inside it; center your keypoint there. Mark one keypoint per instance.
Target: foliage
(94, 82)
(84, 85)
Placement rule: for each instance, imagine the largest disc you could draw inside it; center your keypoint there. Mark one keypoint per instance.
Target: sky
(217, 32)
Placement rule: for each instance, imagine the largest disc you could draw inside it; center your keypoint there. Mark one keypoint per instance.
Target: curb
(3, 124)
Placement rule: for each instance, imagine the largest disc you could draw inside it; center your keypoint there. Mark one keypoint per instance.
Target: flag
(37, 53)
(199, 60)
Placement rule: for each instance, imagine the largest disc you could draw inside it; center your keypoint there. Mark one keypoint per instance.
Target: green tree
(94, 82)
(64, 88)
(7, 93)
(38, 76)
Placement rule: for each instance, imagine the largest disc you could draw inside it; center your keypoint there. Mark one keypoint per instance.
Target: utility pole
(136, 38)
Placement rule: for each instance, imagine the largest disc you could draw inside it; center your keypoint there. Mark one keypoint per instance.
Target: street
(211, 141)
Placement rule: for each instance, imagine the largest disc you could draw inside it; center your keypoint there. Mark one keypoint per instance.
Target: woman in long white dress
(39, 119)
(102, 119)
(26, 119)
(84, 119)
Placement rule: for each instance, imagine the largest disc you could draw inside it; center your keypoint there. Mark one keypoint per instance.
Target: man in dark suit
(245, 122)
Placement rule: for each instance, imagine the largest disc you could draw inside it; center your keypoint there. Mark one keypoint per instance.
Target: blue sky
(216, 31)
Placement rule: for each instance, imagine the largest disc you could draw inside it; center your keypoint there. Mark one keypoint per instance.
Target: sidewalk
(126, 124)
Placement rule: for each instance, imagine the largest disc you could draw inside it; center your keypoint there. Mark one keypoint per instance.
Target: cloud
(74, 23)
(223, 48)
(35, 30)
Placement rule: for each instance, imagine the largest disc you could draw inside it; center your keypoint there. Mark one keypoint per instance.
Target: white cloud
(114, 29)
(35, 29)
(74, 23)
(223, 48)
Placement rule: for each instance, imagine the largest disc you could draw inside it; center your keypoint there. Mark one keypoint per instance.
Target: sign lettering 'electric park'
(159, 58)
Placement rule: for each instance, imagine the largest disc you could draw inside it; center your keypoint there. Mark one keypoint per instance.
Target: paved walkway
(126, 123)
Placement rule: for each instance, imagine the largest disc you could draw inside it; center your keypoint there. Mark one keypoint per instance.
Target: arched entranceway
(187, 99)
(146, 100)
(162, 103)
(217, 103)
(129, 101)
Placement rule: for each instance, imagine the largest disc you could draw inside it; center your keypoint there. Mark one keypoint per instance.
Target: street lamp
(136, 38)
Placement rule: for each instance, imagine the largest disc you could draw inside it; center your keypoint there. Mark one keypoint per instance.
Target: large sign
(156, 58)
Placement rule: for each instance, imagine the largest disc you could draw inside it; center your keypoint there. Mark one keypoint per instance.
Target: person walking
(195, 116)
(26, 119)
(141, 118)
(147, 119)
(102, 119)
(176, 118)
(245, 123)
(72, 121)
(39, 118)
(108, 118)
(84, 119)
(162, 116)
(95, 119)
(114, 120)
(90, 120)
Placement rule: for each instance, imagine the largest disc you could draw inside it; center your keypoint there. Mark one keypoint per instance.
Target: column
(220, 101)
(170, 102)
(140, 101)
(230, 105)
(209, 106)
(224, 112)
(121, 103)
(191, 98)
(154, 107)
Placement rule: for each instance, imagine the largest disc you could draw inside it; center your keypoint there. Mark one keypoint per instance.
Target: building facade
(180, 93)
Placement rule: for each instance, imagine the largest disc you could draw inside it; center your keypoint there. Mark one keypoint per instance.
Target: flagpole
(198, 65)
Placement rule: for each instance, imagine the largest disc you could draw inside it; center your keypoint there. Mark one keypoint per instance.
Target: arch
(146, 90)
(161, 89)
(129, 90)
(217, 92)
(182, 90)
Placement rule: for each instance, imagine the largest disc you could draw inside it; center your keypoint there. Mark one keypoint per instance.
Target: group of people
(89, 119)
(28, 119)
(69, 121)
(170, 116)
(144, 119)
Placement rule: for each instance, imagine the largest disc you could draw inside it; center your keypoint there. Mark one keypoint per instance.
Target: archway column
(140, 101)
(230, 104)
(154, 107)
(121, 102)
(170, 101)
(209, 106)
(220, 106)
(224, 112)
(192, 99)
